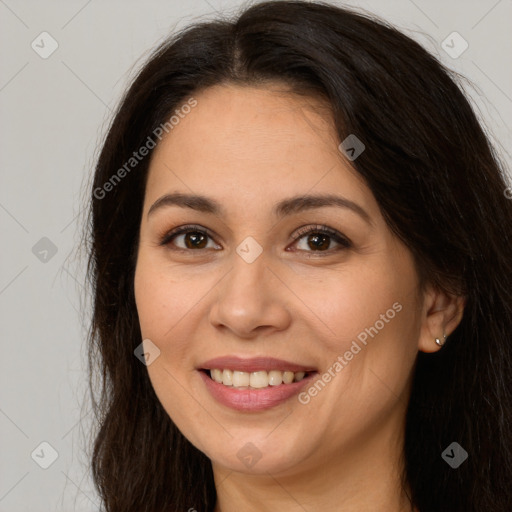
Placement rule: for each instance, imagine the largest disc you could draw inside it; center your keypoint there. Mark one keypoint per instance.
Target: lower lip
(253, 399)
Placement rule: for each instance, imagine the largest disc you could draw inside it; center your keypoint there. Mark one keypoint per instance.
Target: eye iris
(195, 240)
(319, 240)
(316, 240)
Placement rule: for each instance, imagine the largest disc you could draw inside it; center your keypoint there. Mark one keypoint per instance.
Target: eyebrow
(281, 209)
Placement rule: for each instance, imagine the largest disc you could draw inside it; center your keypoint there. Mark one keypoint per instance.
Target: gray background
(54, 114)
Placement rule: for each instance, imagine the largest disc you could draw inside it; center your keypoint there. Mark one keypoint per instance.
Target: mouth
(254, 380)
(254, 384)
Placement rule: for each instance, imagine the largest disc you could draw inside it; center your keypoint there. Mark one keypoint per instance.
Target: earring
(439, 342)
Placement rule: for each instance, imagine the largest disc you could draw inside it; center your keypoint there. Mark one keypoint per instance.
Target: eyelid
(180, 230)
(299, 233)
(319, 228)
(338, 237)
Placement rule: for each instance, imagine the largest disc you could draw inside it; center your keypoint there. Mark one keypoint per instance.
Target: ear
(441, 314)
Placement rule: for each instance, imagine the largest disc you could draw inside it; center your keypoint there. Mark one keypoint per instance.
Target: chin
(258, 454)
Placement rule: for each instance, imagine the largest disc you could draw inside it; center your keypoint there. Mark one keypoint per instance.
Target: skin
(248, 148)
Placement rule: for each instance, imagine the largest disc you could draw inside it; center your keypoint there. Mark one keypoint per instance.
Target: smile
(256, 380)
(253, 384)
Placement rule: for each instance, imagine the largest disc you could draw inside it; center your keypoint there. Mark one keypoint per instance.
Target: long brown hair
(440, 186)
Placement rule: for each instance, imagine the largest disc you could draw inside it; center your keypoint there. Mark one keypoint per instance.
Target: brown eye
(187, 238)
(319, 239)
(195, 240)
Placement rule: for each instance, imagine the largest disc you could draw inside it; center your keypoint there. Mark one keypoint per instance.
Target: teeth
(298, 376)
(287, 377)
(217, 375)
(226, 377)
(240, 379)
(275, 378)
(261, 379)
(258, 380)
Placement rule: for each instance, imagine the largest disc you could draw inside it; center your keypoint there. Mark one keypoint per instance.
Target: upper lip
(253, 364)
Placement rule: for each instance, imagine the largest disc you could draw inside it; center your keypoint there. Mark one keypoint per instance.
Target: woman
(300, 253)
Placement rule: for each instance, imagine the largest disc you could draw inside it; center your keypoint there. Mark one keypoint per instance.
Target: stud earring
(439, 342)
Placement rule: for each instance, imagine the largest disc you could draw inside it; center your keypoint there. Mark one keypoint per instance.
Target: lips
(248, 398)
(254, 364)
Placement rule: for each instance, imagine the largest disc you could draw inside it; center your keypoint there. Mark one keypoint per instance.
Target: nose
(251, 300)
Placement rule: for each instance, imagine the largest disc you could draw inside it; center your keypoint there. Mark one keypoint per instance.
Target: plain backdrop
(54, 112)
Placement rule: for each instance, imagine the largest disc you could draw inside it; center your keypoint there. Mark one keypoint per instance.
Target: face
(272, 285)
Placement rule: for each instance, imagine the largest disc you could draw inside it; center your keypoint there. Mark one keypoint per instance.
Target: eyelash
(300, 233)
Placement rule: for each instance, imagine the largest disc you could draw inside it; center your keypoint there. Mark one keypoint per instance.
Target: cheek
(368, 339)
(348, 303)
(165, 305)
(368, 334)
(170, 305)
(161, 297)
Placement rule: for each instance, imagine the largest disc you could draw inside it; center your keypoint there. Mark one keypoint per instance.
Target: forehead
(260, 143)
